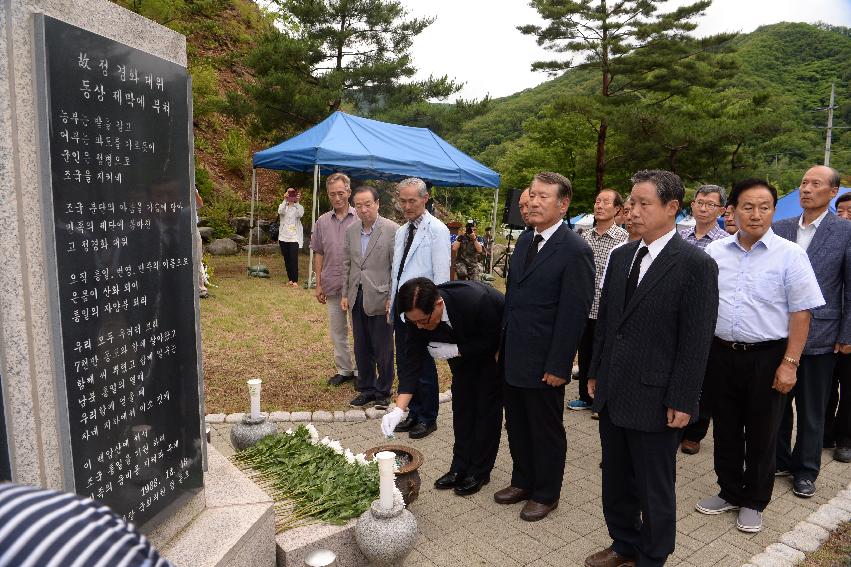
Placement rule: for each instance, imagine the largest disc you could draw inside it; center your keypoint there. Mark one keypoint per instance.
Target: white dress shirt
(547, 233)
(806, 233)
(760, 287)
(653, 250)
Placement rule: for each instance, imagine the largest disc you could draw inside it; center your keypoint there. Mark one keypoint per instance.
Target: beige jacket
(372, 270)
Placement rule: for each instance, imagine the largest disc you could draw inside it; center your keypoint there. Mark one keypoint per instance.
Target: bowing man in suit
(550, 290)
(367, 266)
(421, 249)
(827, 241)
(654, 329)
(457, 321)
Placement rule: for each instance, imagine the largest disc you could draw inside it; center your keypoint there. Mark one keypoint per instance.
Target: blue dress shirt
(759, 288)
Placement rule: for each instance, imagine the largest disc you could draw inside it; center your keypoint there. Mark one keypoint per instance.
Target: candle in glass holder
(254, 393)
(386, 479)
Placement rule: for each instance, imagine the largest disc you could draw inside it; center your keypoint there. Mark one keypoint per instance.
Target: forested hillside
(758, 122)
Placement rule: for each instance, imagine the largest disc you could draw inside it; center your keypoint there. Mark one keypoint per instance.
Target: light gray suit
(371, 270)
(366, 285)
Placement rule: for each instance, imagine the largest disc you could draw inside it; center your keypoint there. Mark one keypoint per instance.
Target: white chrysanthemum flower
(336, 447)
(314, 434)
(360, 458)
(349, 456)
(325, 441)
(290, 431)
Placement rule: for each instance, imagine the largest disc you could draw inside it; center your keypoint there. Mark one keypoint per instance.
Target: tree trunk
(601, 153)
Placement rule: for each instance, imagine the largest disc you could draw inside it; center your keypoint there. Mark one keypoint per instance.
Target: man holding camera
(466, 251)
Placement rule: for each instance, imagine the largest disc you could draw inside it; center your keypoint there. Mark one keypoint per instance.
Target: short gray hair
(834, 178)
(710, 189)
(669, 186)
(422, 189)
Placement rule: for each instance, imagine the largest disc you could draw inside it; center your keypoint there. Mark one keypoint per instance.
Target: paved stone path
(474, 530)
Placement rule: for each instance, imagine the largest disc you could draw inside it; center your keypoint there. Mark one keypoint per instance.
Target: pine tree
(329, 53)
(643, 56)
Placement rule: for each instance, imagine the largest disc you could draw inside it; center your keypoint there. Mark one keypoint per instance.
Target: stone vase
(386, 537)
(250, 431)
(408, 476)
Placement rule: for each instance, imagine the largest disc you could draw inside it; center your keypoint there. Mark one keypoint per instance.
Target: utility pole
(829, 124)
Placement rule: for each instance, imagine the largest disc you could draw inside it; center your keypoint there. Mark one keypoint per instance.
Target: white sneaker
(714, 505)
(749, 521)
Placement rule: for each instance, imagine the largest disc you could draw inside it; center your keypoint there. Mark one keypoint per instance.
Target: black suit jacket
(546, 308)
(475, 312)
(651, 354)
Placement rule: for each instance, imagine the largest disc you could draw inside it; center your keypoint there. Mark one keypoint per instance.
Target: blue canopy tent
(369, 149)
(789, 205)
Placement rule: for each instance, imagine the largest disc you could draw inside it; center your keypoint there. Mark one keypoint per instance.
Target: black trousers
(696, 430)
(373, 346)
(810, 394)
(289, 250)
(537, 440)
(639, 499)
(837, 421)
(747, 413)
(476, 416)
(424, 404)
(585, 353)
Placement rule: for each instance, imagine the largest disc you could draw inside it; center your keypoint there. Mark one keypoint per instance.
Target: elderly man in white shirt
(767, 288)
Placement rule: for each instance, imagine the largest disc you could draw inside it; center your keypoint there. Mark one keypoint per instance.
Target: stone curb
(318, 416)
(807, 536)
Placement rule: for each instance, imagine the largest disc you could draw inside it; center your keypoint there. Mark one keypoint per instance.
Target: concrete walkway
(476, 531)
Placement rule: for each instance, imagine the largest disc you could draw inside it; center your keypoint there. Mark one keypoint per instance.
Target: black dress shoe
(449, 480)
(421, 430)
(406, 425)
(338, 379)
(842, 454)
(471, 484)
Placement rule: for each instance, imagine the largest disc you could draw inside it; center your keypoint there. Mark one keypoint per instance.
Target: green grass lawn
(261, 328)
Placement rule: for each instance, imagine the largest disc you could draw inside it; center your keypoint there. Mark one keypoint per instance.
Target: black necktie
(408, 241)
(632, 280)
(532, 252)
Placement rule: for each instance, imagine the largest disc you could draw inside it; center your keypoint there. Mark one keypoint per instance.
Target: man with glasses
(708, 203)
(459, 322)
(367, 266)
(827, 241)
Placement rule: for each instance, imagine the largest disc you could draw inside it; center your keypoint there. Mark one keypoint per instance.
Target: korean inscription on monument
(120, 174)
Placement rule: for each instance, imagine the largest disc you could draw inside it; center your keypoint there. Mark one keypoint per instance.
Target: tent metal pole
(311, 281)
(251, 223)
(493, 225)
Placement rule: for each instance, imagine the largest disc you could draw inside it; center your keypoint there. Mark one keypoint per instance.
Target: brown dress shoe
(533, 511)
(608, 558)
(511, 495)
(690, 447)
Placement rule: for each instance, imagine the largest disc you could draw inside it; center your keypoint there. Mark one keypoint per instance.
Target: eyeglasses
(705, 205)
(423, 321)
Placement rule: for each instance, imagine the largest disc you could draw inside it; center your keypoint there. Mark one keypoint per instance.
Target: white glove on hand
(443, 350)
(390, 421)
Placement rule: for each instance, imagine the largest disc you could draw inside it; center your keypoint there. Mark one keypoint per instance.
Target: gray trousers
(373, 350)
(338, 328)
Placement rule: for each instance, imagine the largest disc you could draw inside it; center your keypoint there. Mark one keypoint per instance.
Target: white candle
(386, 479)
(254, 393)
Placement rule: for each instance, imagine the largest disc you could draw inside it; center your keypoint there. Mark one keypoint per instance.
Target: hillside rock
(260, 236)
(206, 233)
(223, 247)
(241, 225)
(263, 249)
(240, 240)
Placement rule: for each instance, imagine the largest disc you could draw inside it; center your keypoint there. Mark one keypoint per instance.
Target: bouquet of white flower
(310, 479)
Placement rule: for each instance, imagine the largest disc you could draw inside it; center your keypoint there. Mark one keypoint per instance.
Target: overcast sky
(475, 41)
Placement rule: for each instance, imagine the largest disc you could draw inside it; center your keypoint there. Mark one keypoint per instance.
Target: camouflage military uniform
(467, 265)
